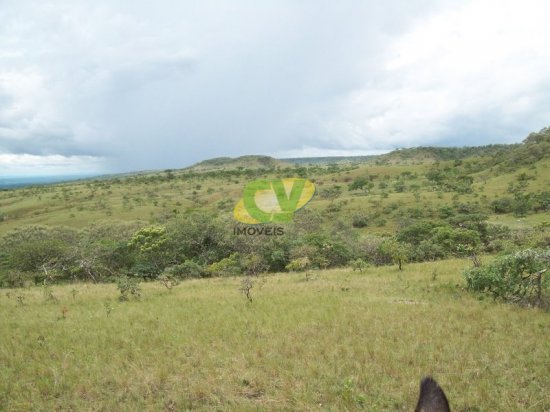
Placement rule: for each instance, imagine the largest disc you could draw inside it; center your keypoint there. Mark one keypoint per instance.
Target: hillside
(399, 184)
(242, 162)
(336, 340)
(328, 160)
(436, 154)
(142, 292)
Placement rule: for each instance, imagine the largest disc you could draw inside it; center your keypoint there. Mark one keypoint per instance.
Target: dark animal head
(432, 398)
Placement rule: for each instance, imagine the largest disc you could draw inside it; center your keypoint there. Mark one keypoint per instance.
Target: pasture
(332, 340)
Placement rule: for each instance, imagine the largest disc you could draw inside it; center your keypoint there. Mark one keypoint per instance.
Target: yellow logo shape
(273, 200)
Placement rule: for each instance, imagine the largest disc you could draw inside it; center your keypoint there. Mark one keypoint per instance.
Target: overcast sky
(107, 86)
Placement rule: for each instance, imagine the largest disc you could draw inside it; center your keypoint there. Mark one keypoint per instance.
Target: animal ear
(432, 398)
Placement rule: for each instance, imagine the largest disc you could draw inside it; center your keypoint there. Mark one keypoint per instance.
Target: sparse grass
(343, 340)
(78, 204)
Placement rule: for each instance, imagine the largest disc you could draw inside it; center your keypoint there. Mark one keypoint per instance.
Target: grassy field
(153, 197)
(339, 340)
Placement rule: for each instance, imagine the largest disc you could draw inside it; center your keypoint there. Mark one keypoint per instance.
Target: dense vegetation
(136, 292)
(378, 214)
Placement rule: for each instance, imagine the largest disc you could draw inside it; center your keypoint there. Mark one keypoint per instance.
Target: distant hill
(416, 183)
(245, 162)
(434, 154)
(534, 148)
(328, 160)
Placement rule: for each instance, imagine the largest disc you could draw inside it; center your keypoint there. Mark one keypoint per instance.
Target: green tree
(150, 244)
(229, 266)
(358, 183)
(398, 251)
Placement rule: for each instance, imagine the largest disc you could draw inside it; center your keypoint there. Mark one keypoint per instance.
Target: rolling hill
(400, 184)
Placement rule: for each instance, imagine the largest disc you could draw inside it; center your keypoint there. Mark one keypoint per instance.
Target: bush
(359, 264)
(359, 221)
(299, 264)
(416, 232)
(15, 279)
(334, 207)
(128, 287)
(254, 264)
(522, 204)
(39, 249)
(542, 202)
(187, 269)
(455, 241)
(428, 250)
(168, 281)
(229, 266)
(200, 236)
(446, 211)
(502, 205)
(399, 252)
(518, 278)
(369, 250)
(146, 270)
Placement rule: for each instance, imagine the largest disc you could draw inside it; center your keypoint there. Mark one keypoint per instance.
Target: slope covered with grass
(336, 340)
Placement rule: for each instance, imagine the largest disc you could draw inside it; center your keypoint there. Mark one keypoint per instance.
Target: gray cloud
(143, 87)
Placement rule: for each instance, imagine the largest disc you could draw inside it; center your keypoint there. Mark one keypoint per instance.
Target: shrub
(168, 281)
(128, 287)
(455, 241)
(334, 207)
(299, 264)
(416, 232)
(428, 250)
(502, 205)
(15, 279)
(254, 264)
(187, 269)
(519, 278)
(369, 250)
(39, 249)
(399, 252)
(522, 204)
(151, 246)
(359, 264)
(542, 202)
(446, 211)
(146, 270)
(229, 266)
(359, 221)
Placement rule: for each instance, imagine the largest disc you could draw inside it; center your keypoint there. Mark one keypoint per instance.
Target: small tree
(168, 281)
(398, 251)
(358, 183)
(299, 264)
(128, 286)
(359, 264)
(229, 266)
(520, 278)
(151, 245)
(246, 287)
(254, 264)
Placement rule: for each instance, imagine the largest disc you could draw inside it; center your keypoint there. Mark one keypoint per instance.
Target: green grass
(342, 340)
(137, 197)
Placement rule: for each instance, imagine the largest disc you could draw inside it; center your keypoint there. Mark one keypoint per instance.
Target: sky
(125, 85)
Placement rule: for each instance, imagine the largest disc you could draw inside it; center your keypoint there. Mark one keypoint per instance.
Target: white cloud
(31, 165)
(486, 62)
(307, 151)
(137, 87)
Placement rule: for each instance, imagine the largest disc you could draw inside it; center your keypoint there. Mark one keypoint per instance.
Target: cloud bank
(111, 86)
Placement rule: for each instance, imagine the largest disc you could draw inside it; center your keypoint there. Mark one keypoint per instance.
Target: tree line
(204, 244)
